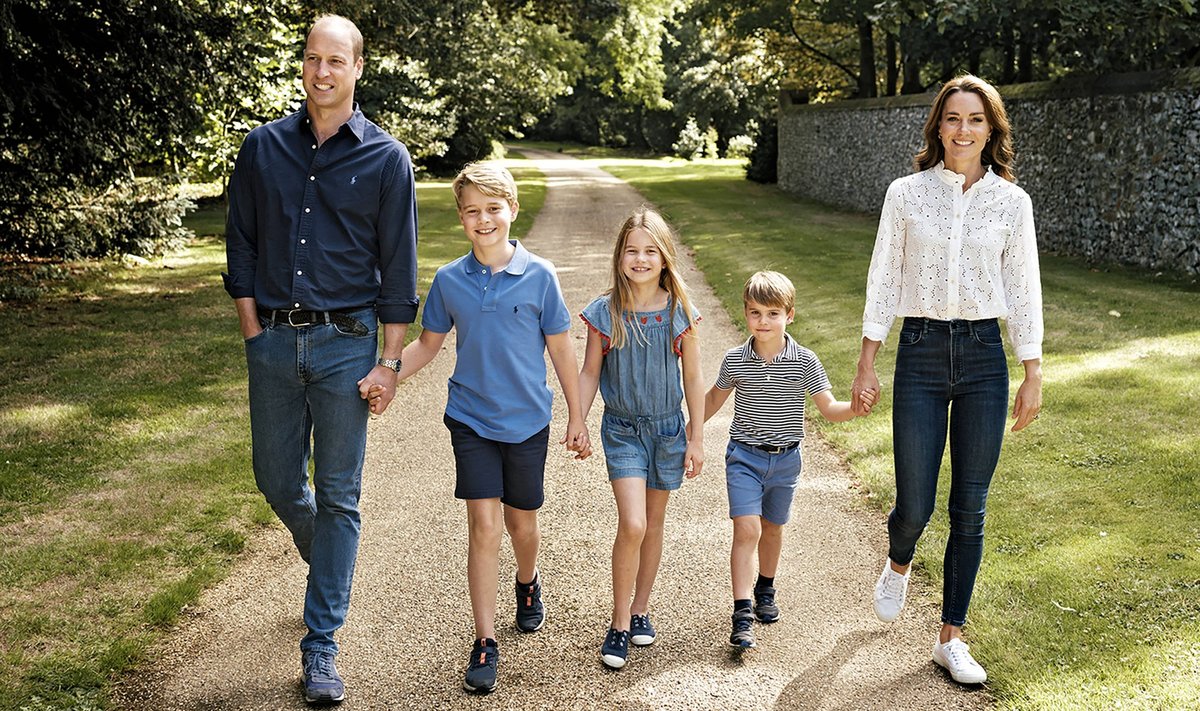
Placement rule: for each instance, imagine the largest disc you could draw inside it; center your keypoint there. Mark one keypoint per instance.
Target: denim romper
(642, 428)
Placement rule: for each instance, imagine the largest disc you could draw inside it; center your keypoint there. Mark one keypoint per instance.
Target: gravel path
(406, 640)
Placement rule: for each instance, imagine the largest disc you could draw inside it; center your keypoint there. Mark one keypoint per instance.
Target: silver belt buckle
(292, 323)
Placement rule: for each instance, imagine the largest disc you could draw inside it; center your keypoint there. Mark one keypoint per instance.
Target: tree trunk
(911, 67)
(1025, 59)
(893, 71)
(866, 59)
(1009, 74)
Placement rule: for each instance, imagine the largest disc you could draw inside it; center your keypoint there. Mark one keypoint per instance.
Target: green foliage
(105, 85)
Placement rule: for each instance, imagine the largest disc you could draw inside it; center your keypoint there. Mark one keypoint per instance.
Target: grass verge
(125, 483)
(1089, 596)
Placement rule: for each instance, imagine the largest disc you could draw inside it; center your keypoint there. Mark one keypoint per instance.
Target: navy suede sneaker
(322, 685)
(481, 667)
(531, 613)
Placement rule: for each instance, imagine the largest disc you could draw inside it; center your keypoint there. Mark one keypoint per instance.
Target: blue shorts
(761, 484)
(487, 469)
(647, 448)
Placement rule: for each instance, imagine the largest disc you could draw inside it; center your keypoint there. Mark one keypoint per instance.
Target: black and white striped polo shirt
(768, 405)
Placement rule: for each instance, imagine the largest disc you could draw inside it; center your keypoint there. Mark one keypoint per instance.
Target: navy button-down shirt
(326, 228)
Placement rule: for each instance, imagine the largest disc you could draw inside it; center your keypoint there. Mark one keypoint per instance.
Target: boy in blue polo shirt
(508, 309)
(773, 375)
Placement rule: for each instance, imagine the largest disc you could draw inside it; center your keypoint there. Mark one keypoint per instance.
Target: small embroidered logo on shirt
(514, 309)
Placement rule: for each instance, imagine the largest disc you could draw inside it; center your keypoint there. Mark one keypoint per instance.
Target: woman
(955, 251)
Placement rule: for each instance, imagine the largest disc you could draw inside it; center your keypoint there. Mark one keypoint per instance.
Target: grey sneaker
(531, 613)
(890, 592)
(481, 667)
(322, 685)
(765, 608)
(955, 657)
(641, 632)
(743, 629)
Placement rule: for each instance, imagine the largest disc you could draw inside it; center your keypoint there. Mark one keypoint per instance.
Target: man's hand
(378, 388)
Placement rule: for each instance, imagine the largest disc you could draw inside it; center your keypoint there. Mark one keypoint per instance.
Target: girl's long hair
(621, 303)
(997, 152)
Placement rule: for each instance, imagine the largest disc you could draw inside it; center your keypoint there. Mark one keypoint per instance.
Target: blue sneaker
(641, 632)
(531, 613)
(742, 635)
(615, 650)
(765, 608)
(481, 668)
(322, 685)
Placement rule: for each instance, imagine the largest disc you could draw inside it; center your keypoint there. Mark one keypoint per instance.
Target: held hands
(378, 388)
(576, 439)
(864, 392)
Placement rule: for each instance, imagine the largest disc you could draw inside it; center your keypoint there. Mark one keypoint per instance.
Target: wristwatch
(393, 363)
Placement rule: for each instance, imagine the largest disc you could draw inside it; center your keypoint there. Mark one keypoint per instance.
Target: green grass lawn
(126, 485)
(1089, 596)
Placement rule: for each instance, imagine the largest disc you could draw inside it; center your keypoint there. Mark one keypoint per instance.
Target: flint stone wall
(1112, 163)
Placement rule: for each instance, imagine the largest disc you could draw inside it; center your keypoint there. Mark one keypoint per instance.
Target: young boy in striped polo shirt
(772, 375)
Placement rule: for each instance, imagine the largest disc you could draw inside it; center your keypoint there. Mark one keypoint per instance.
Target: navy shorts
(487, 469)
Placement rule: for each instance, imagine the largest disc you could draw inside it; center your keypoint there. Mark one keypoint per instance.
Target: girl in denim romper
(640, 333)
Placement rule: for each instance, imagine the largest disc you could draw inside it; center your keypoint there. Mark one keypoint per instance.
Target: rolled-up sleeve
(397, 234)
(241, 228)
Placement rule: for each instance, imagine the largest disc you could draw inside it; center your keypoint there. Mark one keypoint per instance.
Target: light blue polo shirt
(502, 319)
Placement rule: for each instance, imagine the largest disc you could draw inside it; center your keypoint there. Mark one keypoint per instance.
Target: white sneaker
(890, 592)
(955, 657)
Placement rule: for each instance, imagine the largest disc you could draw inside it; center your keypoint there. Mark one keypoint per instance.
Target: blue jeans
(949, 374)
(304, 400)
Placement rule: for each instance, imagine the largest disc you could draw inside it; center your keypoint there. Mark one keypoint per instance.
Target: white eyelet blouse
(945, 254)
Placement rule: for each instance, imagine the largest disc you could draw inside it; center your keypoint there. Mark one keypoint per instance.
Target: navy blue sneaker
(322, 685)
(641, 632)
(743, 629)
(481, 667)
(765, 608)
(615, 650)
(531, 613)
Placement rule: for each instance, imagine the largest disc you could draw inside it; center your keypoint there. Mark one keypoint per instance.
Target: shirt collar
(951, 178)
(357, 123)
(516, 266)
(790, 352)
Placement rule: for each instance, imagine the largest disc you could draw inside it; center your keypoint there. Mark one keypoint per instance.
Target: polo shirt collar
(516, 266)
(790, 352)
(357, 123)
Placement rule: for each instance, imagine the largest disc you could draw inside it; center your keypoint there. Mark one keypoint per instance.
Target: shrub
(690, 144)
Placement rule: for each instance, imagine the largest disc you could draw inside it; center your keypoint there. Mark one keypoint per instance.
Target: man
(321, 244)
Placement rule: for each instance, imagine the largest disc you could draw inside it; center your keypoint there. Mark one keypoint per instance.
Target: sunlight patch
(1131, 355)
(39, 417)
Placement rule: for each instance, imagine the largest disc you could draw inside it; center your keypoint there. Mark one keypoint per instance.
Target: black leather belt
(769, 449)
(300, 317)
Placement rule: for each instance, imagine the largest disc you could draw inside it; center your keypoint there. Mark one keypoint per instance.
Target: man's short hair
(489, 177)
(770, 289)
(356, 40)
